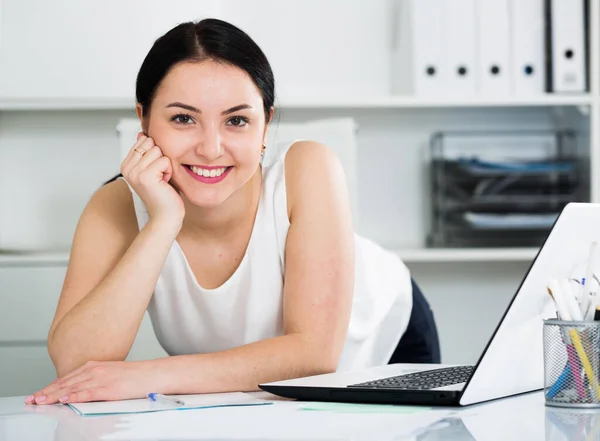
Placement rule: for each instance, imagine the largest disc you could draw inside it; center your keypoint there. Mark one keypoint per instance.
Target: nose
(209, 144)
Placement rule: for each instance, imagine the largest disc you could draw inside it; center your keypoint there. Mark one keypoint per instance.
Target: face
(208, 119)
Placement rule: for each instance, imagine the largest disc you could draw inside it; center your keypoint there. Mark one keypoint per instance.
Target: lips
(208, 175)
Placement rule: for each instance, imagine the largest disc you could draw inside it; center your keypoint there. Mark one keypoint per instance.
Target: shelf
(34, 259)
(467, 255)
(67, 104)
(409, 102)
(407, 255)
(383, 102)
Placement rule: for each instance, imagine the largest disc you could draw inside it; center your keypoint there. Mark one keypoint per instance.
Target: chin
(206, 199)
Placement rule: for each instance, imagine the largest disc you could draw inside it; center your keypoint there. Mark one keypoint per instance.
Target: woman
(251, 272)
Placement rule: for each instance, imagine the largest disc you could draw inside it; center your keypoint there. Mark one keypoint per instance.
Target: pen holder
(572, 363)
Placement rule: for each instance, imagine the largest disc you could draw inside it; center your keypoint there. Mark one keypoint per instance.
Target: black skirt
(420, 342)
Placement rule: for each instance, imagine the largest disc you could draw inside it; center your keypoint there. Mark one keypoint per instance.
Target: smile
(208, 175)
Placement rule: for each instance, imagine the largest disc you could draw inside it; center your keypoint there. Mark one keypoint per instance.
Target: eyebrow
(225, 112)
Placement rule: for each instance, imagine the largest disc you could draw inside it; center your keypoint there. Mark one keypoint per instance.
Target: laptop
(512, 361)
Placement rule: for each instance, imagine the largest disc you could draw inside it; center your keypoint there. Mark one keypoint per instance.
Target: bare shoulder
(105, 230)
(312, 168)
(303, 153)
(114, 202)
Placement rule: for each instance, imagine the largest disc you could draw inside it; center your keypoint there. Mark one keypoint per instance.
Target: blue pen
(164, 398)
(557, 386)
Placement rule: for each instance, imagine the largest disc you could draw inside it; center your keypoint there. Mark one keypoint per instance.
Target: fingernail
(29, 399)
(40, 399)
(63, 399)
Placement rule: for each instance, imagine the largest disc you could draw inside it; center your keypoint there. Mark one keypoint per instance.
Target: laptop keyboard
(430, 379)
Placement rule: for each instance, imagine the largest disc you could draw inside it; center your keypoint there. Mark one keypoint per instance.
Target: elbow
(316, 355)
(65, 359)
(324, 359)
(62, 361)
(327, 367)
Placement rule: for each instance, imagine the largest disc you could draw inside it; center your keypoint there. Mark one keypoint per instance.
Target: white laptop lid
(513, 360)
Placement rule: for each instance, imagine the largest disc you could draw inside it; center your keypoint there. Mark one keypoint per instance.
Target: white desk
(519, 418)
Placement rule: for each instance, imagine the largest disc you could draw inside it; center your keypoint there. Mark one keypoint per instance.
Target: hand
(100, 381)
(148, 172)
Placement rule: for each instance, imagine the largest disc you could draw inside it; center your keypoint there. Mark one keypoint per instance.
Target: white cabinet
(74, 49)
(330, 59)
(24, 370)
(27, 304)
(82, 50)
(29, 298)
(320, 49)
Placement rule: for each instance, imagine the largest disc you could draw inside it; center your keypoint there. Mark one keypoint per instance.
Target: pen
(569, 300)
(557, 294)
(589, 271)
(160, 397)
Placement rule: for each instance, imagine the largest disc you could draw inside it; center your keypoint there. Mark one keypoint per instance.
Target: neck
(224, 220)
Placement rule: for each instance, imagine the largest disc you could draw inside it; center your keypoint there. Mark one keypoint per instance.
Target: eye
(238, 121)
(182, 118)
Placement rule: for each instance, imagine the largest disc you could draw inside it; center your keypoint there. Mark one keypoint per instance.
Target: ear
(271, 113)
(139, 110)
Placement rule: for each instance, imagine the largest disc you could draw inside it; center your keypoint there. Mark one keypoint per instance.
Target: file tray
(500, 189)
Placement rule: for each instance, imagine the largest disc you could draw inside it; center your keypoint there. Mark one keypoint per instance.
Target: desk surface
(524, 417)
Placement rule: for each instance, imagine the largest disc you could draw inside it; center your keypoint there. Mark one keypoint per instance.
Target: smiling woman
(251, 271)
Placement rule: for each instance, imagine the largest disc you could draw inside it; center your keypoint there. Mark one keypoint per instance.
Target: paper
(146, 405)
(363, 408)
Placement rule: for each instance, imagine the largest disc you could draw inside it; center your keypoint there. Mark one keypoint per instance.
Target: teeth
(208, 173)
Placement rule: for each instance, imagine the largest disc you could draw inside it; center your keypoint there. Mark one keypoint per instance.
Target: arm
(110, 279)
(317, 299)
(319, 282)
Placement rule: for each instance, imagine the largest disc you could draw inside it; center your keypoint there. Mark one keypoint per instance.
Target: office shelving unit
(582, 106)
(407, 255)
(73, 137)
(368, 102)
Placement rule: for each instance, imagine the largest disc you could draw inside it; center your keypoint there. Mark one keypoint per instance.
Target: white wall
(67, 53)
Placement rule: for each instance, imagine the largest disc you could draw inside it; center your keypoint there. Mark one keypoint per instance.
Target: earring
(262, 152)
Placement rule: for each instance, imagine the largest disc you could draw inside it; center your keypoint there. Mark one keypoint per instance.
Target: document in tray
(143, 405)
(510, 220)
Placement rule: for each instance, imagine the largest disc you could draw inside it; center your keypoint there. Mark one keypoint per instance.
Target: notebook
(143, 405)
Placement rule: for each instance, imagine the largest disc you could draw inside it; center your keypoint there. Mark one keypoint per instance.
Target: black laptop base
(367, 396)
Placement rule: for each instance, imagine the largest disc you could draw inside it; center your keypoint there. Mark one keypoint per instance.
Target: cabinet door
(28, 301)
(320, 49)
(24, 369)
(76, 49)
(27, 304)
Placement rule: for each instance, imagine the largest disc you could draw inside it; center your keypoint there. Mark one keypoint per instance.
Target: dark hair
(208, 39)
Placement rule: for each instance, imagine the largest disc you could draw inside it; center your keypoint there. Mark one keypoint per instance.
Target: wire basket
(572, 363)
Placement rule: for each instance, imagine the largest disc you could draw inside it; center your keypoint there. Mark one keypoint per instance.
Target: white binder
(493, 47)
(428, 75)
(567, 68)
(459, 41)
(527, 46)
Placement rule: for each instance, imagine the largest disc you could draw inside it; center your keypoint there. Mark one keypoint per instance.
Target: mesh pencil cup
(572, 363)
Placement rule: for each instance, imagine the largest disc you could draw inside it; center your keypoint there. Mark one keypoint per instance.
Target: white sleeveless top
(189, 319)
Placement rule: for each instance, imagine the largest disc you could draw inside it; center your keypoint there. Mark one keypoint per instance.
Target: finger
(61, 396)
(168, 173)
(97, 393)
(134, 156)
(56, 383)
(158, 169)
(53, 390)
(149, 157)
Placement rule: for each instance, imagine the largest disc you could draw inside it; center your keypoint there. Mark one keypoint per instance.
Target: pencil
(587, 367)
